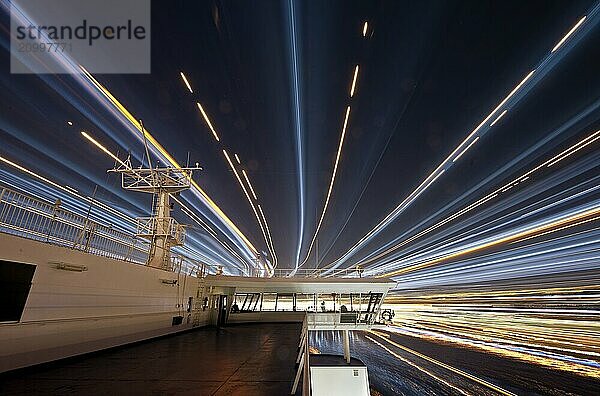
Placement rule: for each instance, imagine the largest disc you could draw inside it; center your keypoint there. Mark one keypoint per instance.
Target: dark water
(390, 375)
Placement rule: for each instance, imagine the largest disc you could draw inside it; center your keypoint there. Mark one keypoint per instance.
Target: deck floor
(257, 359)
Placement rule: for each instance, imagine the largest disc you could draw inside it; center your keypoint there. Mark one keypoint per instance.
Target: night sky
(430, 72)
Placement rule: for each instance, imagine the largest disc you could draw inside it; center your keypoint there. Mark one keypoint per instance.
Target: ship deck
(256, 359)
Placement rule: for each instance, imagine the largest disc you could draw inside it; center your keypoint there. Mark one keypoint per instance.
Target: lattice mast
(162, 230)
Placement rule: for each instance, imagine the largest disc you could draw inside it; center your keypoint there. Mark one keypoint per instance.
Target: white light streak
(498, 119)
(72, 189)
(426, 182)
(465, 150)
(269, 235)
(569, 33)
(574, 148)
(249, 184)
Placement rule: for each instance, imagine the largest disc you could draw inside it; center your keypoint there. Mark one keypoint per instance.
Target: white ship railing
(316, 273)
(34, 218)
(149, 227)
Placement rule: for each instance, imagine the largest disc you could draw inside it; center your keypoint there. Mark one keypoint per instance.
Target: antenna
(162, 230)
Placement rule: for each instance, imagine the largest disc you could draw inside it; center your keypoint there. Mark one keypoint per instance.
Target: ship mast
(161, 230)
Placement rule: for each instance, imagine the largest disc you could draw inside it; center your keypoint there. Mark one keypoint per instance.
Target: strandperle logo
(67, 36)
(84, 31)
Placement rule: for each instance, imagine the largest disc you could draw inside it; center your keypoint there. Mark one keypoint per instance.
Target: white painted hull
(69, 312)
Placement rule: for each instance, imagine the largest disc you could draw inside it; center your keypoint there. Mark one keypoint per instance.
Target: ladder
(199, 303)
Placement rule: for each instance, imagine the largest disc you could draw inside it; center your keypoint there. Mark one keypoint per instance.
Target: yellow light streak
(208, 121)
(509, 238)
(169, 158)
(101, 147)
(388, 350)
(504, 323)
(365, 28)
(331, 182)
(559, 157)
(239, 179)
(37, 176)
(185, 80)
(444, 365)
(354, 81)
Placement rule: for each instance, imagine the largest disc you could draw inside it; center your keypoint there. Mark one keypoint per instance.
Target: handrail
(314, 273)
(303, 361)
(33, 218)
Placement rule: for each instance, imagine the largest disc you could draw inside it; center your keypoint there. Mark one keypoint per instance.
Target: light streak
(554, 327)
(185, 208)
(585, 142)
(354, 81)
(249, 184)
(68, 189)
(425, 183)
(237, 176)
(72, 189)
(237, 158)
(509, 238)
(269, 235)
(472, 206)
(388, 350)
(208, 121)
(185, 80)
(297, 103)
(365, 28)
(465, 150)
(133, 122)
(70, 123)
(569, 34)
(331, 183)
(35, 175)
(484, 260)
(444, 365)
(101, 147)
(499, 117)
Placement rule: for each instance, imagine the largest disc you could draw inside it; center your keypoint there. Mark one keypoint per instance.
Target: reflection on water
(387, 375)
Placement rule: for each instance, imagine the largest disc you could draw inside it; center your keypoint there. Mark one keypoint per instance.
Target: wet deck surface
(238, 360)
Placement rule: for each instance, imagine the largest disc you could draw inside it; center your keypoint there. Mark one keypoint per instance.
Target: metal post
(346, 346)
(306, 391)
(298, 373)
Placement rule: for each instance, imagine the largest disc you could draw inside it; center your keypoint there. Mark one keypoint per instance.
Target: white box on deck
(339, 381)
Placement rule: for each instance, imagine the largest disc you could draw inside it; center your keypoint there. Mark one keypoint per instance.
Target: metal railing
(33, 218)
(316, 273)
(148, 227)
